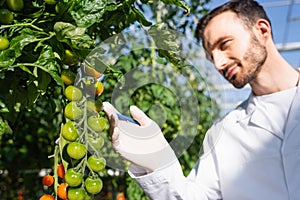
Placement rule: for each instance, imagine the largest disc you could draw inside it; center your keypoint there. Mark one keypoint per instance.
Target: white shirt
(253, 153)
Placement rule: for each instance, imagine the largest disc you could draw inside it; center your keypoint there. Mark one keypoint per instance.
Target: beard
(252, 62)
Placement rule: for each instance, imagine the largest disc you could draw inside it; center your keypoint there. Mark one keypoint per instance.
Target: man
(253, 153)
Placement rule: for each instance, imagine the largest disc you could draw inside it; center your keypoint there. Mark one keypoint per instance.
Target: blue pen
(123, 117)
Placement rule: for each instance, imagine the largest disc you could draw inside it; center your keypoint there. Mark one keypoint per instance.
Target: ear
(263, 29)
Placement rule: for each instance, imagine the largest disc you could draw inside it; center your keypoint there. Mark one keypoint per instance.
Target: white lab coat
(243, 159)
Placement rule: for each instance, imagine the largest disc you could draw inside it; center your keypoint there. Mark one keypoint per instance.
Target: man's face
(235, 50)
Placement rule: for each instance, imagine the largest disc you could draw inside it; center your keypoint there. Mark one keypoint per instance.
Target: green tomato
(76, 194)
(70, 58)
(72, 111)
(96, 164)
(68, 76)
(6, 17)
(4, 43)
(93, 186)
(97, 124)
(73, 178)
(73, 93)
(76, 150)
(15, 5)
(69, 131)
(94, 106)
(96, 143)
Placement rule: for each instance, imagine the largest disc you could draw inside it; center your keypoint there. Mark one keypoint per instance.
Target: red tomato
(61, 171)
(48, 180)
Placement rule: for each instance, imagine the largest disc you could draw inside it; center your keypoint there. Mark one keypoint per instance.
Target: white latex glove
(142, 145)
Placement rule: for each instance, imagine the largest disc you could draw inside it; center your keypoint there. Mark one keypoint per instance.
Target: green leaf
(32, 95)
(73, 36)
(86, 13)
(141, 18)
(8, 56)
(47, 62)
(179, 3)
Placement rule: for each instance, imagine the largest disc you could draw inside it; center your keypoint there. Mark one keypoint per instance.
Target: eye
(224, 44)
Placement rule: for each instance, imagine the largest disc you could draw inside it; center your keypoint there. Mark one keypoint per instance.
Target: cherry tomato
(73, 93)
(70, 58)
(76, 194)
(96, 143)
(73, 178)
(61, 171)
(4, 43)
(99, 88)
(93, 186)
(68, 76)
(97, 124)
(15, 5)
(92, 72)
(120, 196)
(96, 164)
(69, 131)
(62, 191)
(6, 17)
(72, 111)
(47, 197)
(48, 180)
(76, 150)
(94, 106)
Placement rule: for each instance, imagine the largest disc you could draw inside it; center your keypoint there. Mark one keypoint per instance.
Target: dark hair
(249, 11)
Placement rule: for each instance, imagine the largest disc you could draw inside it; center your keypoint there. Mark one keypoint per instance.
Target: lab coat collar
(257, 116)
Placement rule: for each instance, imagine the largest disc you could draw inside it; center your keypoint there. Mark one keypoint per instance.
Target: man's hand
(142, 145)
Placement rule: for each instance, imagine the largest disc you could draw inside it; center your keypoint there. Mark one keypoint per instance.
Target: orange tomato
(120, 196)
(99, 88)
(92, 72)
(62, 191)
(61, 171)
(48, 180)
(47, 197)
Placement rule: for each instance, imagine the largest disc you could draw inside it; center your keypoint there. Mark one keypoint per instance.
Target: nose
(219, 60)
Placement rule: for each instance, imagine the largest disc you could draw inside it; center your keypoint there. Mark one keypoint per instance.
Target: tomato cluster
(78, 158)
